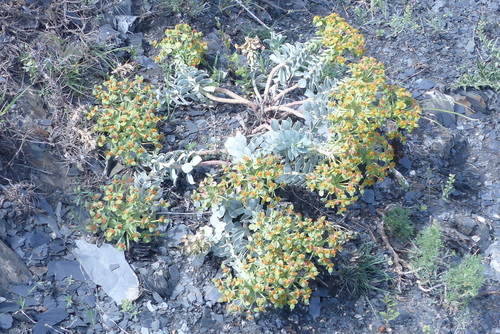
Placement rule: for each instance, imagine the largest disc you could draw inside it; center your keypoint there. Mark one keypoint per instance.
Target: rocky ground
(41, 221)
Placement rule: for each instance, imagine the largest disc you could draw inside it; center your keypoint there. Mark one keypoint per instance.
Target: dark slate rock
(5, 321)
(329, 302)
(57, 246)
(405, 162)
(466, 225)
(45, 206)
(315, 306)
(206, 321)
(146, 62)
(50, 302)
(62, 269)
(15, 241)
(40, 328)
(320, 292)
(77, 322)
(135, 41)
(174, 237)
(425, 84)
(106, 33)
(174, 275)
(90, 301)
(7, 307)
(22, 289)
(52, 316)
(3, 230)
(157, 297)
(198, 261)
(368, 196)
(446, 119)
(158, 283)
(37, 238)
(40, 253)
(44, 220)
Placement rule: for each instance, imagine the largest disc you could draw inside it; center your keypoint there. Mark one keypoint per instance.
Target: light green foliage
(390, 312)
(171, 164)
(192, 8)
(60, 65)
(487, 73)
(426, 329)
(182, 46)
(4, 105)
(126, 119)
(448, 188)
(464, 281)
(427, 256)
(126, 209)
(461, 283)
(400, 23)
(399, 223)
(129, 308)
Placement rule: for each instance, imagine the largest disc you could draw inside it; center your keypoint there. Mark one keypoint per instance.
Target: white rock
(494, 253)
(107, 267)
(481, 219)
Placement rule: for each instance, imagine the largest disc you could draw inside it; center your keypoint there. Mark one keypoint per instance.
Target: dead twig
(252, 14)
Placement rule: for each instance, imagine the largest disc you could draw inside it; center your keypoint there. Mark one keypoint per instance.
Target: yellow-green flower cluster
(255, 178)
(182, 46)
(282, 258)
(366, 106)
(284, 249)
(126, 118)
(337, 182)
(126, 213)
(366, 114)
(339, 37)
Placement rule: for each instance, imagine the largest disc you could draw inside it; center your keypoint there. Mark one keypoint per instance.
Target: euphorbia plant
(127, 119)
(281, 252)
(181, 46)
(325, 117)
(126, 210)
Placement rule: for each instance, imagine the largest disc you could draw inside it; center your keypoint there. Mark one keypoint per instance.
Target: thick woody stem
(287, 111)
(283, 93)
(270, 78)
(261, 128)
(296, 103)
(212, 152)
(236, 99)
(256, 91)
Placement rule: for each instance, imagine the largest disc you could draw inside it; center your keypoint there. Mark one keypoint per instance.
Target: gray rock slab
(62, 269)
(12, 269)
(368, 196)
(120, 283)
(315, 306)
(52, 316)
(5, 321)
(174, 237)
(493, 252)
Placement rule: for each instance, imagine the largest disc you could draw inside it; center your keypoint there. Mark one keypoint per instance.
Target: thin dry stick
(397, 260)
(252, 14)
